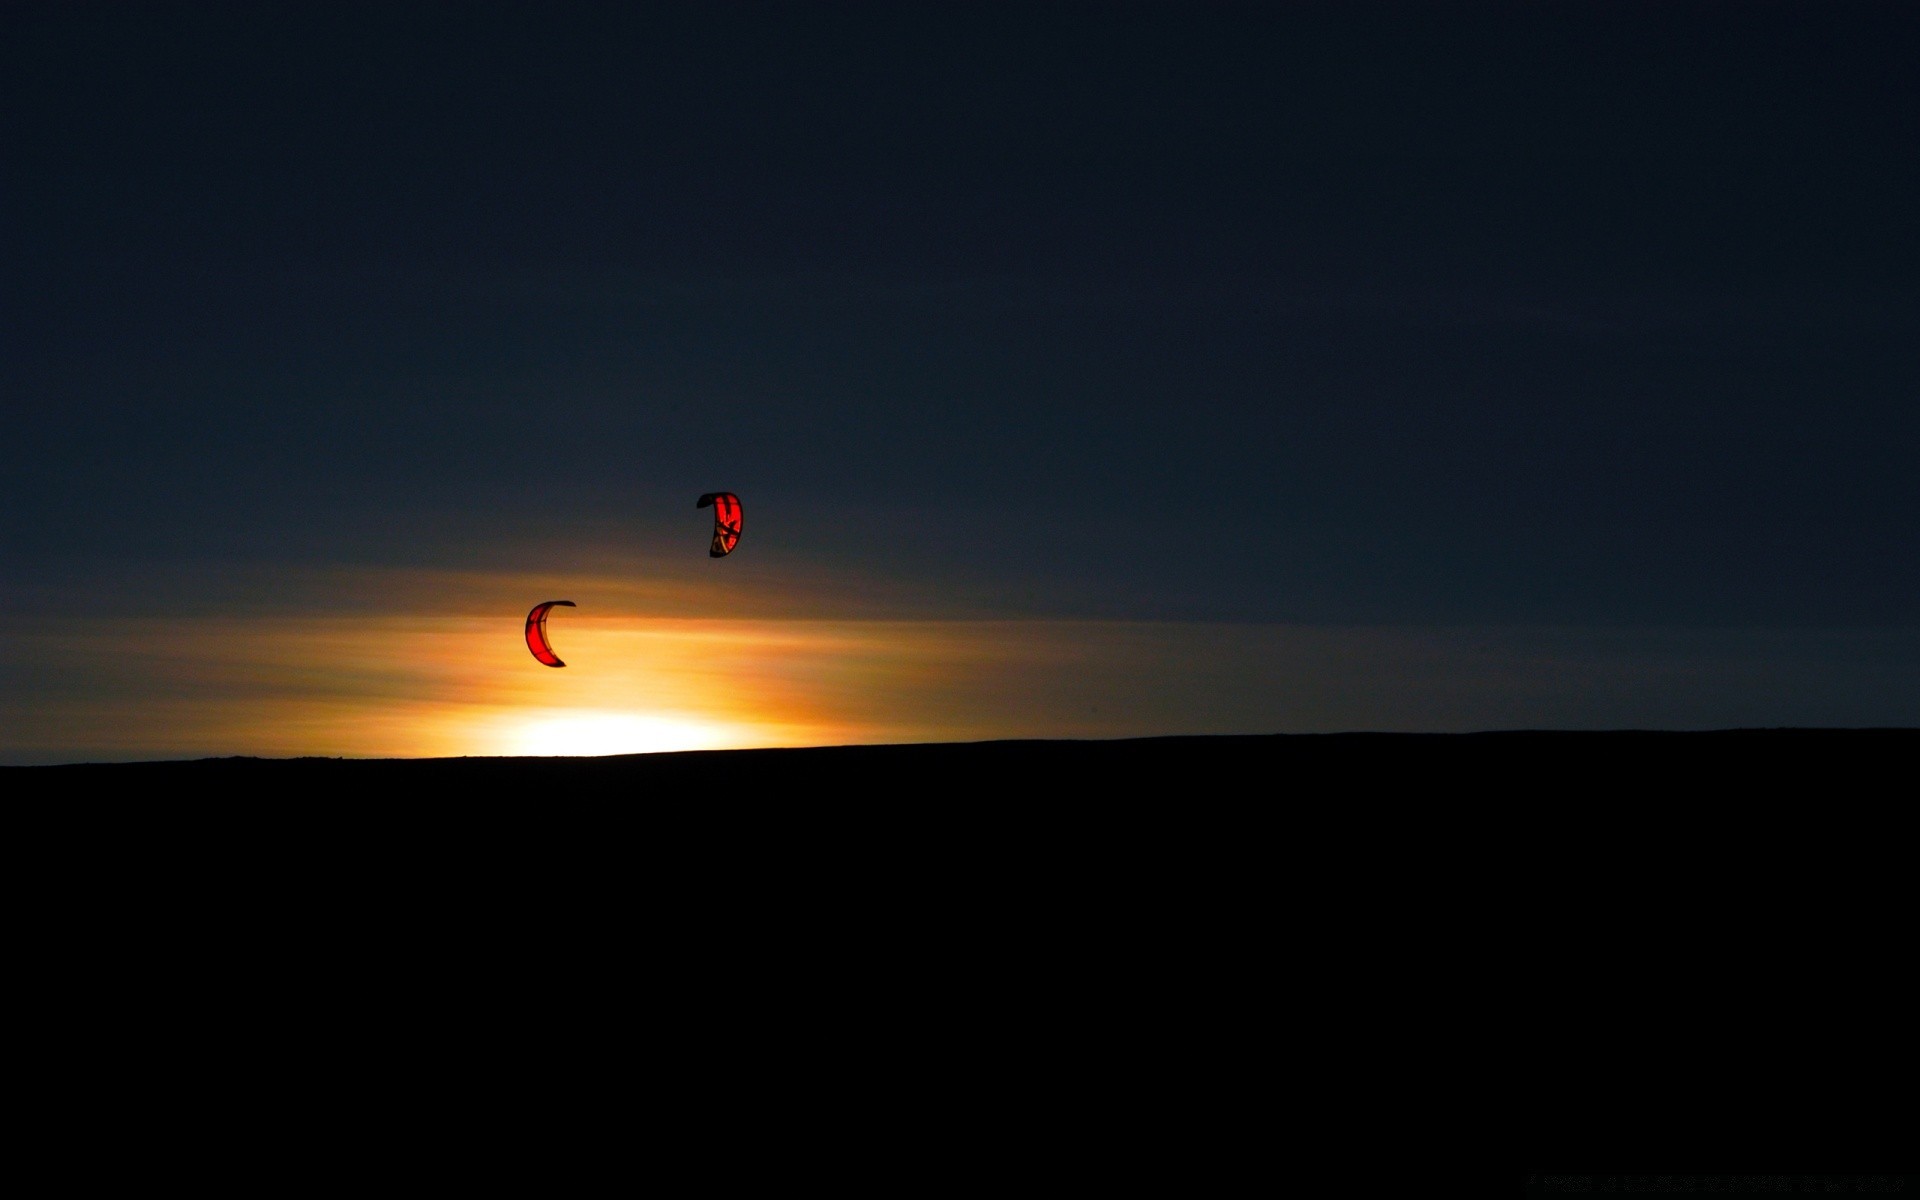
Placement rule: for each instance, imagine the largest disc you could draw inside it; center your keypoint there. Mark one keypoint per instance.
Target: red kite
(726, 522)
(537, 632)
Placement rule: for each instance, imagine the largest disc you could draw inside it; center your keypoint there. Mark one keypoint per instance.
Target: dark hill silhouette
(1152, 918)
(1214, 768)
(1211, 812)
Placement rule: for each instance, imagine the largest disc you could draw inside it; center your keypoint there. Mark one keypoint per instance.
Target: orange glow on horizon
(385, 685)
(429, 687)
(413, 686)
(444, 671)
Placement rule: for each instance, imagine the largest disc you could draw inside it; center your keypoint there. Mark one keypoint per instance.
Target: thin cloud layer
(430, 676)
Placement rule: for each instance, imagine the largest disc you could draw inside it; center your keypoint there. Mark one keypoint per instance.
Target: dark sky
(1548, 313)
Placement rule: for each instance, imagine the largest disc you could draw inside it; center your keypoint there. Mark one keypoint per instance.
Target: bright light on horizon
(421, 685)
(593, 733)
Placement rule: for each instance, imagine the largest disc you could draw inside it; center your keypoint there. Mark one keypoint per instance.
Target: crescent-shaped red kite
(537, 632)
(726, 522)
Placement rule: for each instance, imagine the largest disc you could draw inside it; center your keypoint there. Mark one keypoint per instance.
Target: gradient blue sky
(1172, 346)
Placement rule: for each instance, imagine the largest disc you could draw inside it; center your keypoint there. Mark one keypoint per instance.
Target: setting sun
(590, 732)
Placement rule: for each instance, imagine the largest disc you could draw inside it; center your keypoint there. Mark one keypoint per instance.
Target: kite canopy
(726, 522)
(537, 632)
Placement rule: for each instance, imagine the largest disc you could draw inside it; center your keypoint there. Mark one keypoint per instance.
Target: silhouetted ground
(1202, 813)
(1138, 943)
(1214, 768)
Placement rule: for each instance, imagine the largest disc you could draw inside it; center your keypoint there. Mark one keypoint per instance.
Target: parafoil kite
(537, 632)
(726, 522)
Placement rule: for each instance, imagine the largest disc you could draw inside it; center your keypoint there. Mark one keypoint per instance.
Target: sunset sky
(1085, 370)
